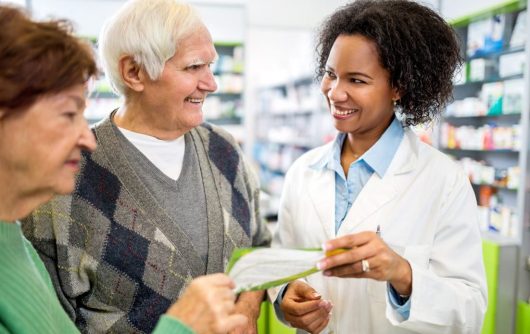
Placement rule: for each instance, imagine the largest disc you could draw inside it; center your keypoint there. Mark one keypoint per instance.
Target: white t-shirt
(166, 155)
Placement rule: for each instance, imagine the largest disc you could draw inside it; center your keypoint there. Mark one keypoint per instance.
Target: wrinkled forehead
(196, 47)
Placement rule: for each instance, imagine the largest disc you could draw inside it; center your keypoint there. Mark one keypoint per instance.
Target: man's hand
(248, 304)
(207, 306)
(303, 308)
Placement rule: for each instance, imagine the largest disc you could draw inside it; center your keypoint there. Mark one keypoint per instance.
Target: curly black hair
(415, 45)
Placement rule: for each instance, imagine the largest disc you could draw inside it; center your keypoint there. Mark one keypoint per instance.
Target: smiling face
(178, 95)
(40, 147)
(357, 88)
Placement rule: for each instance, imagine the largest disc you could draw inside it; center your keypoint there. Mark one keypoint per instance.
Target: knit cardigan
(116, 258)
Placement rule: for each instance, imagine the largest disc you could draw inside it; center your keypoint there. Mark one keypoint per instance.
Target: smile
(344, 112)
(194, 100)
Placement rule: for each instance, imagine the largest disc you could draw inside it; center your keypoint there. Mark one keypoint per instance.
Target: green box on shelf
(490, 253)
(523, 318)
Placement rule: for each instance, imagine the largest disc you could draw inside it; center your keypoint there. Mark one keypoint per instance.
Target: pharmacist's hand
(380, 261)
(303, 307)
(207, 305)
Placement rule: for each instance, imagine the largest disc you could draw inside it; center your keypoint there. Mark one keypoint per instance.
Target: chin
(343, 128)
(64, 187)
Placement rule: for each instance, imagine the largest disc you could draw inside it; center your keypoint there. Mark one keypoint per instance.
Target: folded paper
(263, 268)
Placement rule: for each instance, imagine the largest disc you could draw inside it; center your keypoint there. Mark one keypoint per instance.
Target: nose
(207, 82)
(87, 141)
(334, 90)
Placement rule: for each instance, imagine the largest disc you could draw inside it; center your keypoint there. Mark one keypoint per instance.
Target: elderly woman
(165, 197)
(43, 75)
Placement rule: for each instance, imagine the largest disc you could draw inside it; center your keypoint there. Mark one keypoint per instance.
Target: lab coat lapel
(321, 188)
(378, 191)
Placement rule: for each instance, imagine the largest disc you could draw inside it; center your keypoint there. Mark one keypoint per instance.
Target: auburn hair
(38, 59)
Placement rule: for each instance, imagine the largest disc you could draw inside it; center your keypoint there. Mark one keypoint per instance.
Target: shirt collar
(378, 157)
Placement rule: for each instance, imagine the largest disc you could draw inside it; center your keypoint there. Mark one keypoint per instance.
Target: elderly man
(165, 197)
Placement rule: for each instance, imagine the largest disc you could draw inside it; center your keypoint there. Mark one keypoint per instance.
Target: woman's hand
(303, 308)
(380, 261)
(207, 306)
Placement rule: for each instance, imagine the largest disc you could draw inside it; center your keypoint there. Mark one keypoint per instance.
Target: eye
(71, 115)
(329, 74)
(357, 81)
(195, 67)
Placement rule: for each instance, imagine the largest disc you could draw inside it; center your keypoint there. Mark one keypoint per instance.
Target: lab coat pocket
(419, 255)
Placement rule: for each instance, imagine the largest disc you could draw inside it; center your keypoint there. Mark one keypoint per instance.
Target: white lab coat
(427, 212)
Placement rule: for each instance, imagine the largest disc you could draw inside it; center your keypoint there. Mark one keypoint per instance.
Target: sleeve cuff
(398, 303)
(277, 302)
(170, 325)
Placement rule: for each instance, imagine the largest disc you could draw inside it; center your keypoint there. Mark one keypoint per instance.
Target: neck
(136, 117)
(355, 146)
(15, 204)
(358, 144)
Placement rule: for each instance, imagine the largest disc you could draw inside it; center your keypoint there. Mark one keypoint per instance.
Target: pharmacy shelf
(494, 186)
(497, 54)
(464, 150)
(507, 272)
(513, 116)
(489, 80)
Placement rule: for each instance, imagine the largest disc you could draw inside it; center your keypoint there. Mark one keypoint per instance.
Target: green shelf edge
(501, 8)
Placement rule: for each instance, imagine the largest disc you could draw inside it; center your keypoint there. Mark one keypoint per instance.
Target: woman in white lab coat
(404, 213)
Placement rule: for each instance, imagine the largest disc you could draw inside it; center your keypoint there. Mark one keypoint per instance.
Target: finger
(316, 316)
(350, 257)
(304, 321)
(224, 308)
(303, 292)
(299, 308)
(348, 241)
(348, 270)
(321, 326)
(224, 294)
(355, 270)
(230, 323)
(218, 279)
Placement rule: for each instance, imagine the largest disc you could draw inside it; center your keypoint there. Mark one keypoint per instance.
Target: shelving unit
(486, 129)
(487, 121)
(223, 107)
(292, 119)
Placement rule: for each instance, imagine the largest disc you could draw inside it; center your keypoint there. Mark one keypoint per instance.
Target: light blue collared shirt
(375, 160)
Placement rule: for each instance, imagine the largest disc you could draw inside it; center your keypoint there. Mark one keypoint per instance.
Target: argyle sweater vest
(116, 258)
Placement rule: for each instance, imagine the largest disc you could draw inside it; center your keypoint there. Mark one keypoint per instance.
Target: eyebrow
(352, 73)
(200, 61)
(81, 103)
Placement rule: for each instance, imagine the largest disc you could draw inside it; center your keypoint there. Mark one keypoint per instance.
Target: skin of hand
(304, 308)
(207, 306)
(248, 304)
(385, 264)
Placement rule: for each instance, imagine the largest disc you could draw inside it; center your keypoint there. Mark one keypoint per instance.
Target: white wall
(226, 22)
(21, 3)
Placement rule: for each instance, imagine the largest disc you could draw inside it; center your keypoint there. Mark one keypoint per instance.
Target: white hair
(147, 30)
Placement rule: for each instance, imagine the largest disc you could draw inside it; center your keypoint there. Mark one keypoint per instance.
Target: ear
(396, 94)
(131, 73)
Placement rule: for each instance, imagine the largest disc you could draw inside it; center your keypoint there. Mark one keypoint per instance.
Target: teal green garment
(28, 303)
